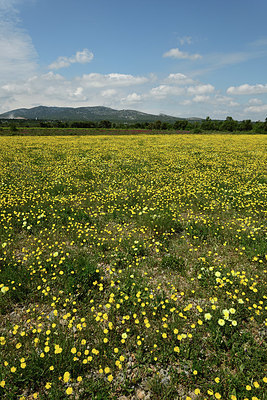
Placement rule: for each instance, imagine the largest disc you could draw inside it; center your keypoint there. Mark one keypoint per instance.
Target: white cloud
(132, 98)
(164, 91)
(255, 101)
(18, 55)
(108, 93)
(179, 79)
(114, 79)
(81, 57)
(200, 89)
(201, 99)
(257, 109)
(185, 102)
(247, 89)
(219, 100)
(176, 53)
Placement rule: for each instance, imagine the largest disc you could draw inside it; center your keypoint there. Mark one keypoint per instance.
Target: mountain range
(97, 113)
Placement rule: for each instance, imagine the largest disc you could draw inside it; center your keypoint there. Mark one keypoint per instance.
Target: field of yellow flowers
(133, 267)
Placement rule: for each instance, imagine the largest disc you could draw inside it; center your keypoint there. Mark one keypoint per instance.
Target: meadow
(133, 267)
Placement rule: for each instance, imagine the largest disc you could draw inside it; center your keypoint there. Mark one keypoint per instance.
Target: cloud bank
(247, 89)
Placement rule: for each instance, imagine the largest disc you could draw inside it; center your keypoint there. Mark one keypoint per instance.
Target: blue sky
(183, 58)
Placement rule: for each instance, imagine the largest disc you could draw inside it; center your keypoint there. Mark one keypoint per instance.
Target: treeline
(207, 125)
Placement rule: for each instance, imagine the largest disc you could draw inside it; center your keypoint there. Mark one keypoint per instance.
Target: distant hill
(88, 114)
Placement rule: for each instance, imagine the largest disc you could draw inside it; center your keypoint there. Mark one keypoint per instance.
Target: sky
(185, 58)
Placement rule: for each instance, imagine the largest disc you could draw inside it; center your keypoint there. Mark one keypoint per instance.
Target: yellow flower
(197, 391)
(2, 384)
(217, 379)
(66, 377)
(79, 379)
(69, 390)
(248, 387)
(13, 369)
(48, 385)
(217, 395)
(221, 322)
(58, 349)
(110, 378)
(176, 349)
(73, 350)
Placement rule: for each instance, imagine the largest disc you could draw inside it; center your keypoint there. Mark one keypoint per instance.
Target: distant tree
(258, 127)
(13, 127)
(207, 124)
(180, 124)
(196, 127)
(83, 124)
(246, 125)
(157, 125)
(164, 126)
(60, 124)
(44, 124)
(230, 125)
(104, 124)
